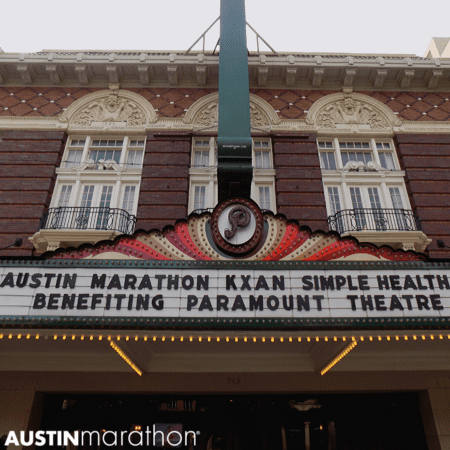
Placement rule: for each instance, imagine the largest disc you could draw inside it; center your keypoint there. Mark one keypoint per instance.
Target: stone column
(331, 436)
(283, 438)
(435, 410)
(307, 437)
(21, 410)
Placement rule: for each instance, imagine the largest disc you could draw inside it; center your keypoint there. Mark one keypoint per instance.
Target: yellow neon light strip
(341, 355)
(124, 356)
(198, 338)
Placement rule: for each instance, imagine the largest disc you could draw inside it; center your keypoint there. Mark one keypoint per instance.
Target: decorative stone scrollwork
(205, 111)
(114, 106)
(351, 111)
(111, 109)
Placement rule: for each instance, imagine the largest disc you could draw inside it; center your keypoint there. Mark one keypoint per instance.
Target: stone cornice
(296, 71)
(177, 124)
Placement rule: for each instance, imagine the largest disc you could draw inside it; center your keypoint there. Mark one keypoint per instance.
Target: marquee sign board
(247, 294)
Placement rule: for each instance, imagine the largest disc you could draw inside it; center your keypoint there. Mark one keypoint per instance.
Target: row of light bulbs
(341, 355)
(126, 358)
(227, 338)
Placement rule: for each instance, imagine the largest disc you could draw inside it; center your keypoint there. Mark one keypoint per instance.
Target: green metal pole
(234, 141)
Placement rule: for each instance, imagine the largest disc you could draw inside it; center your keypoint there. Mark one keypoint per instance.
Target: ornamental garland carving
(350, 111)
(209, 117)
(111, 109)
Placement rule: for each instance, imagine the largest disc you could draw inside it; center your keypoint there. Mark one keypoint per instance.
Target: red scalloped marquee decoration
(285, 241)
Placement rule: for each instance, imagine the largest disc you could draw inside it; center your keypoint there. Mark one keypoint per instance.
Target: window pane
(328, 161)
(264, 197)
(128, 198)
(134, 159)
(374, 198)
(199, 197)
(86, 199)
(201, 158)
(74, 158)
(105, 199)
(355, 195)
(387, 160)
(396, 198)
(262, 159)
(333, 197)
(64, 197)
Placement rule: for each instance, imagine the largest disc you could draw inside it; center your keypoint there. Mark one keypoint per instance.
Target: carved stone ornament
(111, 109)
(350, 110)
(113, 106)
(204, 113)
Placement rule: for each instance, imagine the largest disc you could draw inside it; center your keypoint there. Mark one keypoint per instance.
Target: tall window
(364, 186)
(203, 174)
(102, 173)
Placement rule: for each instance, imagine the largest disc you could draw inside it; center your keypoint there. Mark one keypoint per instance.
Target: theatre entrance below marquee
(240, 422)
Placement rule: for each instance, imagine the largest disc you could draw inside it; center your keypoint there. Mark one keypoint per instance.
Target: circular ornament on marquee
(237, 225)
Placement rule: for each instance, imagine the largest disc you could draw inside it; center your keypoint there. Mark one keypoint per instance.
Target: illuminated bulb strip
(73, 337)
(124, 356)
(341, 355)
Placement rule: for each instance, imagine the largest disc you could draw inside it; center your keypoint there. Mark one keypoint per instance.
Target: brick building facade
(108, 163)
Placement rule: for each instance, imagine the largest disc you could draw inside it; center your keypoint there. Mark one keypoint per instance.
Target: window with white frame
(203, 174)
(364, 186)
(98, 182)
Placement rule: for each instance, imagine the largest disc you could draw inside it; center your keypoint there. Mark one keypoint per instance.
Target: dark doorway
(244, 422)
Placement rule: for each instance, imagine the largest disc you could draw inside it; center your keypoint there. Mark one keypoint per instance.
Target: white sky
(327, 26)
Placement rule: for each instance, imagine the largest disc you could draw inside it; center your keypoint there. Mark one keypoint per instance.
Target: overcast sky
(326, 26)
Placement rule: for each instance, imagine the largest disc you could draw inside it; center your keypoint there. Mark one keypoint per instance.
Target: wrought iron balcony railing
(366, 219)
(79, 218)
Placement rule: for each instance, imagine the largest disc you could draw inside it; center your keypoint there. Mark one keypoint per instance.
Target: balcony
(399, 228)
(73, 226)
